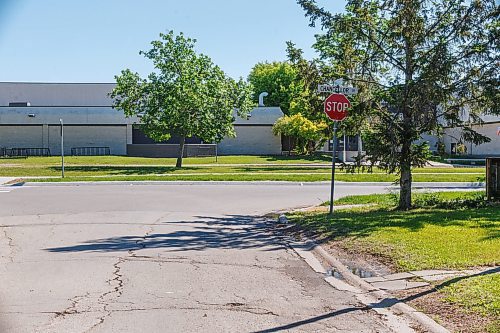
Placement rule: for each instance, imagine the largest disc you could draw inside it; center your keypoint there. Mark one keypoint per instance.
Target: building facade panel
(70, 115)
(30, 116)
(251, 140)
(452, 136)
(114, 137)
(19, 136)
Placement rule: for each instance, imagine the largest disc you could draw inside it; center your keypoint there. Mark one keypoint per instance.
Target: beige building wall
(21, 136)
(114, 137)
(90, 121)
(251, 140)
(452, 135)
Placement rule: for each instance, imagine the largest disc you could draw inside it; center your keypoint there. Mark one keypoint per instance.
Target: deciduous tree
(187, 95)
(279, 80)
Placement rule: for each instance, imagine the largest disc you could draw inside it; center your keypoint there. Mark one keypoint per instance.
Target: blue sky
(92, 40)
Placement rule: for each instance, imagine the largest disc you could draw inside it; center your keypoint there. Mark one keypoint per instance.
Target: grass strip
(262, 176)
(457, 237)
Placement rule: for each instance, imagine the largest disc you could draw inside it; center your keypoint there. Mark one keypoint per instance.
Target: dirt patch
(377, 265)
(432, 302)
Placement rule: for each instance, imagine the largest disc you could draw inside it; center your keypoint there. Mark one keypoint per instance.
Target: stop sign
(336, 106)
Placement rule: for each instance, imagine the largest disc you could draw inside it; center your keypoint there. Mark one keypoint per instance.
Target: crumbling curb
(381, 298)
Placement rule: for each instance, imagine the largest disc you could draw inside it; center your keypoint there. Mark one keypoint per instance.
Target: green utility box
(493, 178)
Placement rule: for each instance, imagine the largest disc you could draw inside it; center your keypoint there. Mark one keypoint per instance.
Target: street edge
(416, 185)
(364, 287)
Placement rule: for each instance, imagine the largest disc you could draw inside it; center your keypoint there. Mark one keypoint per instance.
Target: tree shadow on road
(229, 232)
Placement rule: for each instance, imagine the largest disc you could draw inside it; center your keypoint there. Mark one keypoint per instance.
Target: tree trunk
(405, 179)
(406, 137)
(182, 142)
(360, 145)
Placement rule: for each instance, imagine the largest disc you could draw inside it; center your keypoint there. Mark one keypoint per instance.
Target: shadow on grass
(312, 158)
(285, 168)
(231, 232)
(447, 283)
(122, 170)
(362, 223)
(144, 170)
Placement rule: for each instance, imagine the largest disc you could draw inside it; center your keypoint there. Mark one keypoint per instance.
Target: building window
(351, 143)
(453, 149)
(19, 104)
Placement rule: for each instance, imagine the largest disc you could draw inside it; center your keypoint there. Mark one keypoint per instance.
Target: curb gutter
(376, 299)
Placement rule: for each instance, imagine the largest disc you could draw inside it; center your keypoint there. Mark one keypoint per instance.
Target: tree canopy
(292, 85)
(279, 79)
(418, 64)
(187, 95)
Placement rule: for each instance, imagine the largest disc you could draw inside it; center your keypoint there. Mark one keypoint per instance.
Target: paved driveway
(163, 258)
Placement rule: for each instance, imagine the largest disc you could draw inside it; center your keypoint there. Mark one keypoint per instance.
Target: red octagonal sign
(336, 106)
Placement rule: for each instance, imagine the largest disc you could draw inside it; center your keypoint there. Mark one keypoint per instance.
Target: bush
(436, 200)
(441, 149)
(305, 131)
(461, 149)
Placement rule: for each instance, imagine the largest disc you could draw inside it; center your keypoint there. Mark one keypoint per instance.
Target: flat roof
(56, 94)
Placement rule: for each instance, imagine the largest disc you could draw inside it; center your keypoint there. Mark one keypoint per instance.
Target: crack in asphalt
(184, 260)
(117, 283)
(203, 306)
(142, 243)
(10, 244)
(118, 276)
(72, 309)
(238, 307)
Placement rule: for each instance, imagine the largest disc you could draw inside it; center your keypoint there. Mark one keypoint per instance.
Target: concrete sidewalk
(4, 180)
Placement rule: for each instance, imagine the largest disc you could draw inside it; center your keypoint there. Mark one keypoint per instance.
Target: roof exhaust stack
(261, 99)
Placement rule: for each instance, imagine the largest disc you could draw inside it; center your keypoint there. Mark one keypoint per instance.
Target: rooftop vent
(19, 104)
(261, 99)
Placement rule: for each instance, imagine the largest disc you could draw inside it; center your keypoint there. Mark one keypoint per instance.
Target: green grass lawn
(424, 238)
(415, 240)
(254, 177)
(229, 168)
(420, 199)
(480, 294)
(126, 160)
(477, 294)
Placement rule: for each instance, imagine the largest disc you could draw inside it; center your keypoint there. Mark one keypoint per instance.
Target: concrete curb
(372, 297)
(12, 182)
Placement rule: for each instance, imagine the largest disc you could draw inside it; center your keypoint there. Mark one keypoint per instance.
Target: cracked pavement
(164, 258)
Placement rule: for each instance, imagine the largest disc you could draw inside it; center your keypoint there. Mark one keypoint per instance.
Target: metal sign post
(334, 157)
(62, 148)
(336, 108)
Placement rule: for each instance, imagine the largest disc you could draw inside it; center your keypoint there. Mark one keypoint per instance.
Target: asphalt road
(163, 258)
